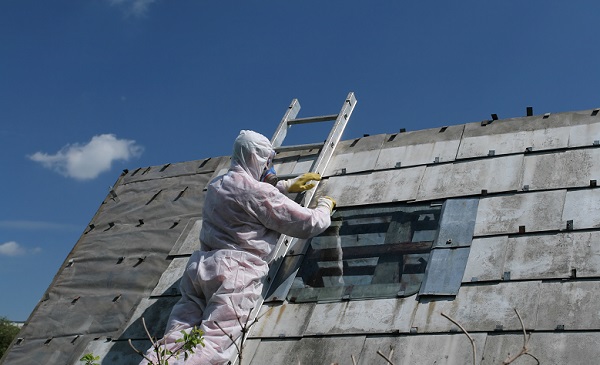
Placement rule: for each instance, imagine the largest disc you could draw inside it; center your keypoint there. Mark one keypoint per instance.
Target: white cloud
(85, 162)
(137, 8)
(11, 249)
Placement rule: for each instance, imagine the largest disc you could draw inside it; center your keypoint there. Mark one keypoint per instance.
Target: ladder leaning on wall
(327, 149)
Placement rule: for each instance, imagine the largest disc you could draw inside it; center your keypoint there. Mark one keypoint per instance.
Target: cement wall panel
(584, 135)
(574, 305)
(471, 177)
(115, 352)
(548, 348)
(583, 208)
(203, 166)
(538, 257)
(537, 211)
(286, 320)
(559, 170)
(59, 350)
(374, 187)
(452, 349)
(189, 239)
(307, 351)
(481, 308)
(364, 316)
(585, 253)
(355, 155)
(514, 142)
(155, 312)
(486, 259)
(169, 281)
(414, 155)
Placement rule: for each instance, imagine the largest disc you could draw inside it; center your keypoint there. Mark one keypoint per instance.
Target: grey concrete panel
(516, 134)
(372, 188)
(114, 352)
(514, 142)
(573, 168)
(486, 259)
(536, 211)
(294, 162)
(189, 240)
(451, 349)
(445, 271)
(584, 253)
(169, 281)
(481, 308)
(155, 312)
(457, 223)
(548, 348)
(364, 316)
(57, 350)
(583, 208)
(538, 257)
(420, 147)
(574, 305)
(355, 155)
(308, 351)
(585, 134)
(202, 166)
(285, 320)
(471, 177)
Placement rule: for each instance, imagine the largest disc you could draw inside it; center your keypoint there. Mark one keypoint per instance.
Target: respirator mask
(269, 175)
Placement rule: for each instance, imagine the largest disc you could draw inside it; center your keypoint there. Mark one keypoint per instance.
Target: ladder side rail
(281, 131)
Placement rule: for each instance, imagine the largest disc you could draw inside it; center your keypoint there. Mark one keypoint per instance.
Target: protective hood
(251, 151)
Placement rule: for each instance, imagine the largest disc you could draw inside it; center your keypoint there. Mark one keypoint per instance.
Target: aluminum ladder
(327, 149)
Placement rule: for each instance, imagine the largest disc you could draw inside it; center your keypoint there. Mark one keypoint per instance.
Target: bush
(8, 332)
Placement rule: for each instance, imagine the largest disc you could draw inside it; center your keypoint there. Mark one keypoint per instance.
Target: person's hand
(299, 184)
(328, 202)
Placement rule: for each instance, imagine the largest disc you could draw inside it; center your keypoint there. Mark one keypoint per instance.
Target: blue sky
(91, 87)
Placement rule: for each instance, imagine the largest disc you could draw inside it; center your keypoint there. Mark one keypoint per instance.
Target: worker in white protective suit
(243, 218)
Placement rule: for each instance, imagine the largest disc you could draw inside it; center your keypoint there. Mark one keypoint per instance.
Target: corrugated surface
(522, 212)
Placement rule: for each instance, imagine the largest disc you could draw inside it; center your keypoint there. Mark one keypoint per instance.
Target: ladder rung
(299, 147)
(324, 118)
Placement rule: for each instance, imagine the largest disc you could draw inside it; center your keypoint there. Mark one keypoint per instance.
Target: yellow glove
(328, 202)
(299, 184)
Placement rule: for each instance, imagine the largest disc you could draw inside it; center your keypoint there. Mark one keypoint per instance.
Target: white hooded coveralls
(242, 221)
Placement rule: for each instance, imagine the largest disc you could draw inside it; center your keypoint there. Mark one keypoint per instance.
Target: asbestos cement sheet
(114, 352)
(420, 147)
(515, 136)
(498, 174)
(457, 223)
(59, 350)
(572, 305)
(189, 240)
(451, 349)
(355, 155)
(374, 187)
(155, 312)
(565, 169)
(585, 253)
(364, 316)
(583, 208)
(585, 134)
(285, 320)
(327, 350)
(169, 281)
(445, 271)
(486, 259)
(534, 211)
(203, 166)
(538, 257)
(481, 308)
(548, 348)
